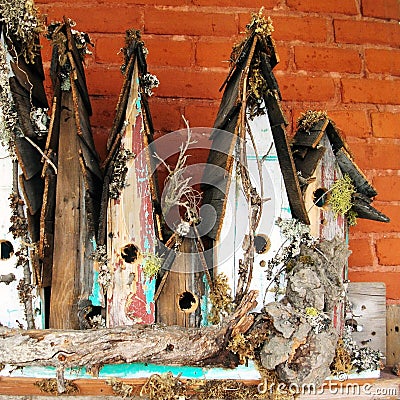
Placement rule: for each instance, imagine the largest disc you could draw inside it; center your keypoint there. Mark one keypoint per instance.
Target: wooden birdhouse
(128, 227)
(73, 184)
(250, 179)
(335, 190)
(258, 183)
(23, 136)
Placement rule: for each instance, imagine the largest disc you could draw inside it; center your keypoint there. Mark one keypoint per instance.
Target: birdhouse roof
(308, 151)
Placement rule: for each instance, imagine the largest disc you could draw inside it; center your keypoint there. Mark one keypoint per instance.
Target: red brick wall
(340, 56)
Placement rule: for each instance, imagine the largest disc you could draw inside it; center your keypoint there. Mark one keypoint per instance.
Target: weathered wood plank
(309, 162)
(368, 300)
(29, 158)
(78, 72)
(348, 166)
(289, 174)
(313, 136)
(131, 226)
(33, 192)
(362, 206)
(392, 334)
(22, 103)
(28, 78)
(184, 279)
(66, 258)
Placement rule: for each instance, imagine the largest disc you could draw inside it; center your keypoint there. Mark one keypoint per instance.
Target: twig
(42, 153)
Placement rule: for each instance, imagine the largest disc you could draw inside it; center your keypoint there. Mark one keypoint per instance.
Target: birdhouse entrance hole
(130, 253)
(321, 197)
(7, 249)
(187, 302)
(262, 243)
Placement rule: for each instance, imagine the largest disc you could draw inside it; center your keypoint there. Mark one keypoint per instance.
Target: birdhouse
(130, 231)
(73, 181)
(23, 136)
(258, 184)
(335, 190)
(250, 180)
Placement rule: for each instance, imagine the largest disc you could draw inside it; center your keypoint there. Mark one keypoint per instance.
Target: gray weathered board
(393, 334)
(368, 301)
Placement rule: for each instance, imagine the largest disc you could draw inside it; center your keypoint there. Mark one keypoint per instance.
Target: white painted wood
(235, 224)
(11, 309)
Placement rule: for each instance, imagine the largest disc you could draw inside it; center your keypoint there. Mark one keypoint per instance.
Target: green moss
(341, 195)
(151, 265)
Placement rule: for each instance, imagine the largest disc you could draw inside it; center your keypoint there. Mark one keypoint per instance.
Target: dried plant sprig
(164, 386)
(220, 298)
(177, 189)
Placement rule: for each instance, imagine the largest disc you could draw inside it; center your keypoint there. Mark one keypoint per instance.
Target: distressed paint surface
(130, 220)
(324, 224)
(235, 224)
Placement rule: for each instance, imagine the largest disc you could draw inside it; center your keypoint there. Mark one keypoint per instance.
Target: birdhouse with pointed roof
(261, 186)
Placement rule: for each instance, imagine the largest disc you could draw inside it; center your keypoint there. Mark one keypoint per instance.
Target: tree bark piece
(171, 345)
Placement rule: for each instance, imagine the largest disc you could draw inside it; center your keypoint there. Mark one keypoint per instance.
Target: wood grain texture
(67, 225)
(392, 334)
(368, 301)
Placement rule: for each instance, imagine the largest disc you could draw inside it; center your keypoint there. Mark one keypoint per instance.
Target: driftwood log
(167, 345)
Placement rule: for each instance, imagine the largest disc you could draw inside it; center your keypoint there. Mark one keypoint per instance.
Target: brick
(177, 82)
(169, 51)
(327, 59)
(388, 9)
(361, 253)
(166, 114)
(391, 279)
(388, 188)
(388, 251)
(383, 61)
(213, 53)
(306, 88)
(104, 80)
(147, 2)
(361, 32)
(107, 49)
(371, 91)
(327, 6)
(285, 56)
(381, 155)
(351, 122)
(306, 29)
(368, 226)
(93, 18)
(189, 23)
(100, 136)
(201, 113)
(386, 125)
(103, 111)
(252, 4)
